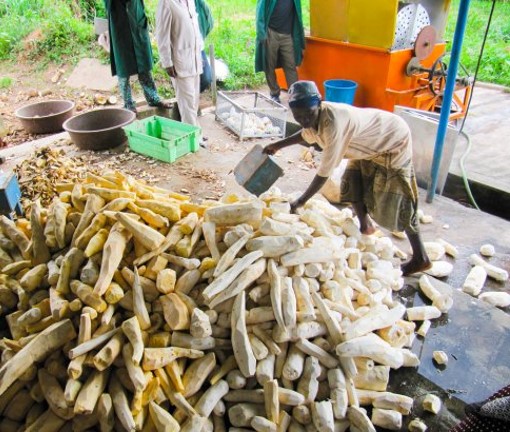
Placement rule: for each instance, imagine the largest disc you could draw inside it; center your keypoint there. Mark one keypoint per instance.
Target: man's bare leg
(366, 225)
(419, 261)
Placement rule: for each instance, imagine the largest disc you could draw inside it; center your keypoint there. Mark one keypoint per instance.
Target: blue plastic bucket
(339, 90)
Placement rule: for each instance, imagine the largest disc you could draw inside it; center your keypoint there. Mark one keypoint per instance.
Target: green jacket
(265, 9)
(205, 18)
(130, 47)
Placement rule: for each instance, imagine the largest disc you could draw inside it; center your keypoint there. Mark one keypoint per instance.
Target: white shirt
(178, 37)
(349, 132)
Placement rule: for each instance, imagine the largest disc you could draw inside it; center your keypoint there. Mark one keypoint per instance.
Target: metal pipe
(458, 37)
(213, 73)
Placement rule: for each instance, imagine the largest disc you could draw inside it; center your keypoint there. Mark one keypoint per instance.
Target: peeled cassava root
(131, 308)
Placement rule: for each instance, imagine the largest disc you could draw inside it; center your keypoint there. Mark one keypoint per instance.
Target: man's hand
(171, 71)
(271, 149)
(294, 205)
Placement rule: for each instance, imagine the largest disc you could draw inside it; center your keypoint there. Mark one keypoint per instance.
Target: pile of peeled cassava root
(131, 308)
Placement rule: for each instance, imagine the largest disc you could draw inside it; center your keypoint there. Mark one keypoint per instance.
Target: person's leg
(288, 60)
(205, 77)
(149, 90)
(419, 261)
(351, 192)
(126, 94)
(187, 94)
(366, 225)
(271, 61)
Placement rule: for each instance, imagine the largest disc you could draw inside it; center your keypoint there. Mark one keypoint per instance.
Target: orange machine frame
(380, 74)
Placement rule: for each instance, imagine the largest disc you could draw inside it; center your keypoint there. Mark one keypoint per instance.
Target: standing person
(130, 50)
(379, 180)
(280, 41)
(206, 24)
(180, 46)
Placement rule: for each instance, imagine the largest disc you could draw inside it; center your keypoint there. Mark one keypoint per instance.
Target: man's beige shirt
(347, 132)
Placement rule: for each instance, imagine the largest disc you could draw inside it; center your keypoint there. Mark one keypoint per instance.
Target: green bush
(64, 36)
(5, 82)
(92, 8)
(495, 62)
(6, 43)
(17, 19)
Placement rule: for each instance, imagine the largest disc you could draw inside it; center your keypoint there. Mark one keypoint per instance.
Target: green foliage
(17, 19)
(495, 63)
(92, 8)
(233, 38)
(64, 36)
(5, 82)
(67, 34)
(238, 53)
(6, 42)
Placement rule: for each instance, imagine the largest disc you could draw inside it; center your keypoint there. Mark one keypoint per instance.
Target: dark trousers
(280, 51)
(206, 77)
(149, 90)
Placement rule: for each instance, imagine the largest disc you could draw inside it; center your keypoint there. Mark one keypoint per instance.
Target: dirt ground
(30, 85)
(201, 175)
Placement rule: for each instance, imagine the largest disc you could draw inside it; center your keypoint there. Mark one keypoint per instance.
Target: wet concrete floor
(485, 152)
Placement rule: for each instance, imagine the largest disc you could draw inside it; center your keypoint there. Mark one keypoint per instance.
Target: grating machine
(394, 50)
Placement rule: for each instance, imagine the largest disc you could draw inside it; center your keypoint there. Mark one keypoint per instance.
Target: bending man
(379, 180)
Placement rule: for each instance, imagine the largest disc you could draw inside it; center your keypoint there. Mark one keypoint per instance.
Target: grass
(5, 82)
(67, 35)
(495, 63)
(62, 33)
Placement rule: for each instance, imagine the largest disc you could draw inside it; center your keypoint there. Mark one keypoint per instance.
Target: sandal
(162, 104)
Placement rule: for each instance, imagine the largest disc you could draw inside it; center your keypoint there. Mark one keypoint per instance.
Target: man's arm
(260, 20)
(286, 142)
(314, 187)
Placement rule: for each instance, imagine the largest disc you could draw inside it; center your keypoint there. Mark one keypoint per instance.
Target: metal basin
(45, 117)
(99, 129)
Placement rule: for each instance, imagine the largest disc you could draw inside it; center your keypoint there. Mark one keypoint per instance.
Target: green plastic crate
(162, 138)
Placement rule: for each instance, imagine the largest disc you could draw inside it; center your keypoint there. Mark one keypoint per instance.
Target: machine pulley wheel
(425, 42)
(437, 76)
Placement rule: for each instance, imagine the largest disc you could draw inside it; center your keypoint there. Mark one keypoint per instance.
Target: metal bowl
(99, 129)
(45, 117)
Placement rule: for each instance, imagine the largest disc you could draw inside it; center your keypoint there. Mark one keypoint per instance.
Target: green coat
(130, 47)
(205, 18)
(265, 9)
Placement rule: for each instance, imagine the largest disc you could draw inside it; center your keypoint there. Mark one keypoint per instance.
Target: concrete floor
(474, 335)
(487, 165)
(488, 125)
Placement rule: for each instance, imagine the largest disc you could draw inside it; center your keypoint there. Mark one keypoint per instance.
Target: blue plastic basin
(340, 90)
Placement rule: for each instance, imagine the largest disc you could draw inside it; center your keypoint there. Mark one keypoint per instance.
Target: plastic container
(162, 138)
(257, 171)
(340, 90)
(10, 194)
(250, 114)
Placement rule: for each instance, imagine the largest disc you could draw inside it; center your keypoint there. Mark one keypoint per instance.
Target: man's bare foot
(415, 266)
(366, 226)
